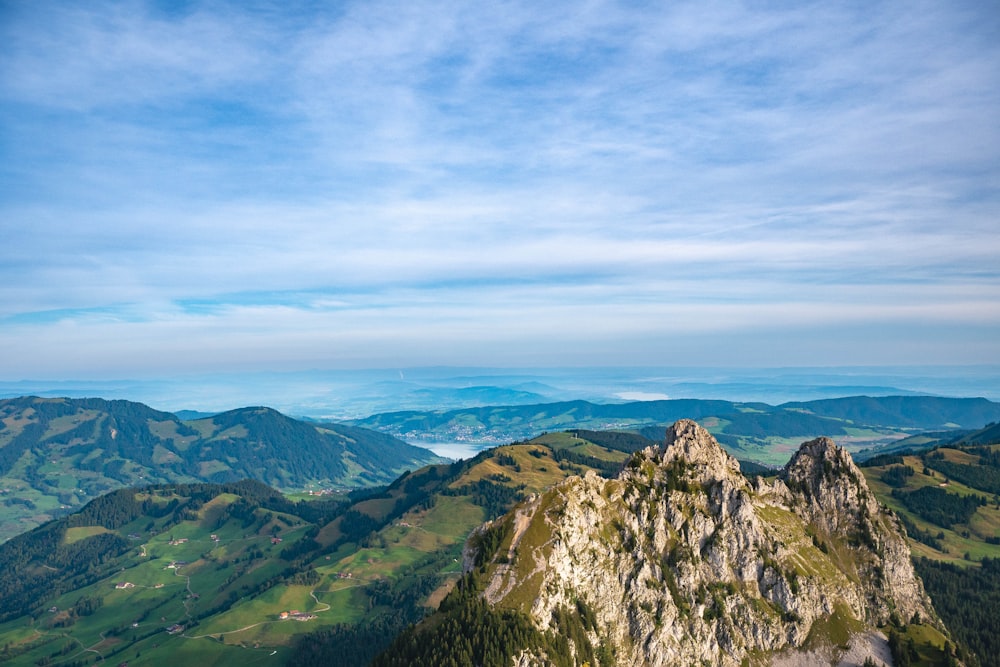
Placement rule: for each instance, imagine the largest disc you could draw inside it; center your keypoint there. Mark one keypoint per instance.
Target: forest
(968, 601)
(472, 632)
(936, 505)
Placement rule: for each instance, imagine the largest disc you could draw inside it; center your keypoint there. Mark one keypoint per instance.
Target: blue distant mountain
(759, 429)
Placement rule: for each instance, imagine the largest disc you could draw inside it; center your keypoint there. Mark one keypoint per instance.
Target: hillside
(680, 560)
(756, 431)
(209, 582)
(989, 434)
(56, 454)
(948, 498)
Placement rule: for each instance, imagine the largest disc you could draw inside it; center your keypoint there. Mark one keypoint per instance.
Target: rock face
(682, 561)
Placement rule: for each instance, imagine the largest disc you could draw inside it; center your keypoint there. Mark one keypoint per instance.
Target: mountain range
(354, 394)
(237, 573)
(756, 431)
(697, 545)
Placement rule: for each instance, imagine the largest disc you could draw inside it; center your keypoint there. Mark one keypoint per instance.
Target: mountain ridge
(763, 432)
(681, 560)
(56, 454)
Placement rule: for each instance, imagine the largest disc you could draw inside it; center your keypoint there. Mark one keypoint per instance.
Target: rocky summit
(681, 560)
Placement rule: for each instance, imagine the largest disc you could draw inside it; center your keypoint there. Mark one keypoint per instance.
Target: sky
(226, 186)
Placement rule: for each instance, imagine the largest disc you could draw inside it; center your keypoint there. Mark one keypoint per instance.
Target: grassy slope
(428, 538)
(959, 540)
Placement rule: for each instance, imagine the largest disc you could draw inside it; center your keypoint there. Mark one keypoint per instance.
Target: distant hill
(188, 415)
(985, 436)
(923, 412)
(755, 430)
(484, 395)
(920, 442)
(513, 422)
(56, 454)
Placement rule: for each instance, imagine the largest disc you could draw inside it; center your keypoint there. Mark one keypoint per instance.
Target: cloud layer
(249, 185)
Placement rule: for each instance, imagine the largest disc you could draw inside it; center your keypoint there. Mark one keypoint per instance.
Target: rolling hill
(56, 454)
(948, 498)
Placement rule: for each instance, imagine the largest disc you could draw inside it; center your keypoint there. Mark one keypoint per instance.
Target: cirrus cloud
(272, 185)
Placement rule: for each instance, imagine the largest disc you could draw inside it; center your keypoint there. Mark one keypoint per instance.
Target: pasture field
(963, 543)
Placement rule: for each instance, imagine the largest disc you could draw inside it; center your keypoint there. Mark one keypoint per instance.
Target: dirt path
(191, 594)
(312, 594)
(229, 632)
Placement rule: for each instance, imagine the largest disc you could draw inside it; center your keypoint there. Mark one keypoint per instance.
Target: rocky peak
(832, 486)
(688, 442)
(820, 458)
(682, 561)
(833, 495)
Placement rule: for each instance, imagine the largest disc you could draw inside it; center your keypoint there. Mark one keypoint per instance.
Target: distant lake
(453, 450)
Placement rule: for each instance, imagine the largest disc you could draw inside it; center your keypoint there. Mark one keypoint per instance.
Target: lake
(453, 450)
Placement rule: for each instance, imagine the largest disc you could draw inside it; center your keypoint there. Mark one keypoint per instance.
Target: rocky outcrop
(681, 560)
(834, 495)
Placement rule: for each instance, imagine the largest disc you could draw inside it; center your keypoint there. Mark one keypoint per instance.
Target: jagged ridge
(682, 560)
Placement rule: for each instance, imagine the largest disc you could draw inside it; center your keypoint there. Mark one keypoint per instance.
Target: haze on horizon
(192, 187)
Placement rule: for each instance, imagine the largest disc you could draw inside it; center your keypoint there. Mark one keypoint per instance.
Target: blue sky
(192, 187)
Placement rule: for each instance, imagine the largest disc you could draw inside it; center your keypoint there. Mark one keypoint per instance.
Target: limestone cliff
(683, 561)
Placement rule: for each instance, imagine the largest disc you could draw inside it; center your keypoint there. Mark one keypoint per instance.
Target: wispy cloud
(352, 184)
